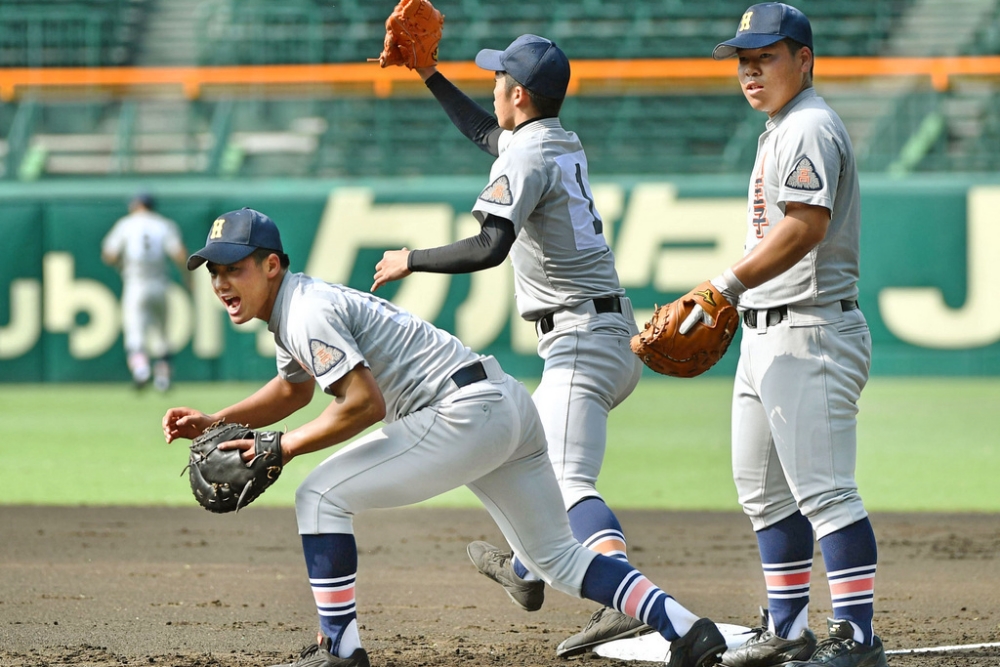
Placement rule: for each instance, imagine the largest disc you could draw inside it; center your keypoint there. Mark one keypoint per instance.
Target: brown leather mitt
(688, 336)
(412, 34)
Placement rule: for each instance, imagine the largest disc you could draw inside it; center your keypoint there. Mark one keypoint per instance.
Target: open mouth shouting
(232, 303)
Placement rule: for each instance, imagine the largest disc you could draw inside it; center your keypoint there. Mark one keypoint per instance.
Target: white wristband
(729, 284)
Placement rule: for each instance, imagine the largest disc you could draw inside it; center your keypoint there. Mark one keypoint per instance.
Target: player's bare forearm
(393, 266)
(180, 259)
(273, 402)
(110, 258)
(358, 403)
(795, 235)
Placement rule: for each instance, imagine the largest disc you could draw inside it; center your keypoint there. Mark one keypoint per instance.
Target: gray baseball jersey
(540, 183)
(805, 155)
(438, 436)
(323, 331)
(795, 396)
(145, 241)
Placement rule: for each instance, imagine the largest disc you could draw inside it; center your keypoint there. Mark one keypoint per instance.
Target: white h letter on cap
(216, 232)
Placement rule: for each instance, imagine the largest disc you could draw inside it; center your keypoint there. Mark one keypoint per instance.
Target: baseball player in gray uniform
(452, 418)
(140, 244)
(804, 357)
(538, 208)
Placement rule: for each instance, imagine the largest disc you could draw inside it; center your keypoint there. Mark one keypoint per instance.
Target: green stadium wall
(929, 277)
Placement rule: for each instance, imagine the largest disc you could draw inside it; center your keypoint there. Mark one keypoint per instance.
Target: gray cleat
(605, 625)
(498, 566)
(318, 655)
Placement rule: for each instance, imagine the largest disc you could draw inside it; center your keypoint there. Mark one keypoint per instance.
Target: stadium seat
(343, 132)
(69, 33)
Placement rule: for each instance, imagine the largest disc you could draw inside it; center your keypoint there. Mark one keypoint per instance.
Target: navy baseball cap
(765, 24)
(144, 199)
(235, 235)
(535, 62)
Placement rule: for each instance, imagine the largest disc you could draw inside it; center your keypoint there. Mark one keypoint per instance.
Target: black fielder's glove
(220, 479)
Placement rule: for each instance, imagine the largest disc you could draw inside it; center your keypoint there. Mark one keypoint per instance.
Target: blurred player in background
(804, 357)
(140, 245)
(538, 208)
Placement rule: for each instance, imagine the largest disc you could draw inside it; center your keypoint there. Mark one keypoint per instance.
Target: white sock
(800, 623)
(859, 636)
(679, 616)
(349, 640)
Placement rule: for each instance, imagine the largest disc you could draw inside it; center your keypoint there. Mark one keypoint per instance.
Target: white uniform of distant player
(141, 244)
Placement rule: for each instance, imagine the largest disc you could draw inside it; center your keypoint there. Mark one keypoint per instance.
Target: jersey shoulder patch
(804, 176)
(498, 192)
(324, 356)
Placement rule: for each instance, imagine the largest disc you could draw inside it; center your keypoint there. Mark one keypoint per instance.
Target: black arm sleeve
(475, 122)
(472, 254)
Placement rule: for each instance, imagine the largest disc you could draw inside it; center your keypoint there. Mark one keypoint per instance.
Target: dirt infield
(103, 587)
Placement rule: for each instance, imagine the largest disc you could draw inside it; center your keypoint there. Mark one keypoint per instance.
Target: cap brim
(490, 59)
(745, 41)
(219, 253)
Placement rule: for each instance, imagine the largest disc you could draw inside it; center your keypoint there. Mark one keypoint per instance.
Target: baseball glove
(688, 336)
(412, 34)
(220, 479)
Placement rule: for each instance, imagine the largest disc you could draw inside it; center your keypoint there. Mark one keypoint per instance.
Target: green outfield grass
(926, 444)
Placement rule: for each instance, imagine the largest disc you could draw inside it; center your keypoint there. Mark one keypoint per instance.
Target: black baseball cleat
(318, 655)
(766, 649)
(498, 566)
(605, 625)
(841, 650)
(702, 646)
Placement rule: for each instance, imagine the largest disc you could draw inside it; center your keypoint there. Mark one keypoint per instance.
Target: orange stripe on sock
(857, 586)
(793, 579)
(635, 596)
(333, 597)
(608, 546)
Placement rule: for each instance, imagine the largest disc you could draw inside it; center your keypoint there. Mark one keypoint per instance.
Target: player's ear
(520, 98)
(805, 56)
(272, 265)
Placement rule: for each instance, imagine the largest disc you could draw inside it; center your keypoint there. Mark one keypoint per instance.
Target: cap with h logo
(234, 236)
(765, 24)
(535, 62)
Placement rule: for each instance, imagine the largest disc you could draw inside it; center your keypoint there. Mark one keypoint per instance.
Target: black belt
(469, 374)
(604, 304)
(776, 315)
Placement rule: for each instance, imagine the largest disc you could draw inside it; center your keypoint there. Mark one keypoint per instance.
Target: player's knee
(318, 513)
(837, 512)
(306, 496)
